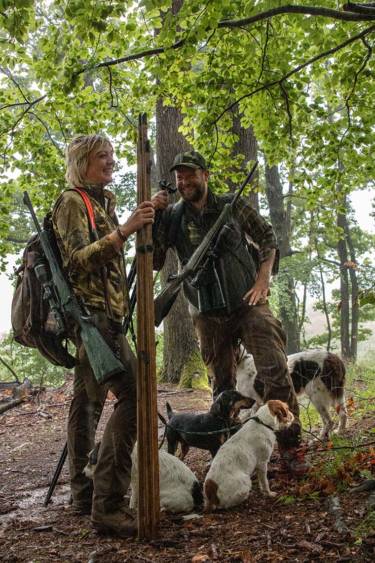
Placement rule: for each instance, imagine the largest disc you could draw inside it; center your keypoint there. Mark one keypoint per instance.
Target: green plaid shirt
(198, 223)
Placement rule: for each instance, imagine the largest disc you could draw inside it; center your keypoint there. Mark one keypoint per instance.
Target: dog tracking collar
(257, 419)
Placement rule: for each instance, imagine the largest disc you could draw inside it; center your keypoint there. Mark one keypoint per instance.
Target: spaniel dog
(228, 481)
(207, 431)
(180, 491)
(317, 373)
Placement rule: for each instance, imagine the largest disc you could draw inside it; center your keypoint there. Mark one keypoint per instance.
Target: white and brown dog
(317, 373)
(228, 481)
(180, 491)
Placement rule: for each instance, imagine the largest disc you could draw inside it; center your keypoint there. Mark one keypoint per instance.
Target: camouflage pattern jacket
(84, 258)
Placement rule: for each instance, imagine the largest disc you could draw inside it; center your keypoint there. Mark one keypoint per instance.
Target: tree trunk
(344, 290)
(180, 341)
(349, 312)
(247, 146)
(281, 222)
(325, 308)
(354, 295)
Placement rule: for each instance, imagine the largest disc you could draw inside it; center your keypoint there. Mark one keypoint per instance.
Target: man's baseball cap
(191, 159)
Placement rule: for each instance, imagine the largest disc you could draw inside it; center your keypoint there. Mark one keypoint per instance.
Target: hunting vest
(220, 287)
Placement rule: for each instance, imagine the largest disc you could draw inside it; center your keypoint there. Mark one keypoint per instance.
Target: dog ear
(279, 409)
(217, 408)
(221, 406)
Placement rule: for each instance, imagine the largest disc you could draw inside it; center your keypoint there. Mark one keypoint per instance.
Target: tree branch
(9, 75)
(14, 105)
(10, 369)
(358, 72)
(305, 10)
(287, 106)
(16, 241)
(29, 108)
(359, 8)
(59, 150)
(297, 69)
(264, 51)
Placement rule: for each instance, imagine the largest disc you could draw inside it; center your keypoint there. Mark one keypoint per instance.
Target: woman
(95, 268)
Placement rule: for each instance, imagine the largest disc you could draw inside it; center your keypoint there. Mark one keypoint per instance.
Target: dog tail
(210, 491)
(161, 417)
(197, 494)
(169, 410)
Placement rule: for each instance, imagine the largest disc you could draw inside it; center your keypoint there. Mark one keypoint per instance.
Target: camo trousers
(263, 336)
(113, 469)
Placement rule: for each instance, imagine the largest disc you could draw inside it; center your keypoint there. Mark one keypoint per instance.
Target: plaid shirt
(198, 223)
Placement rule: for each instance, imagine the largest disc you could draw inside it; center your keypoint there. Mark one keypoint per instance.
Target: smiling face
(192, 184)
(100, 165)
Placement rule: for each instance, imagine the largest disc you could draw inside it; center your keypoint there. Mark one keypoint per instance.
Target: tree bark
(325, 308)
(281, 222)
(180, 341)
(354, 295)
(344, 290)
(247, 146)
(349, 312)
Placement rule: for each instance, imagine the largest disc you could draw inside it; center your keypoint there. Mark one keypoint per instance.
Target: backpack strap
(92, 225)
(89, 209)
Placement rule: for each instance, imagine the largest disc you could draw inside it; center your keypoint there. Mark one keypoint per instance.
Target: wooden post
(148, 454)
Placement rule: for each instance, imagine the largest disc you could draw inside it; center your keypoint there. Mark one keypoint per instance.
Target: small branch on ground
(334, 508)
(10, 405)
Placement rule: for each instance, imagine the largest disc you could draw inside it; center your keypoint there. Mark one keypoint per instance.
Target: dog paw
(272, 494)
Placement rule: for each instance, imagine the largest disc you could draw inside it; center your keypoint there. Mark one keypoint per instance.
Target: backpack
(34, 322)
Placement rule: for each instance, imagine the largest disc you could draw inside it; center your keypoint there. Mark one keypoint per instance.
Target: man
(229, 297)
(96, 271)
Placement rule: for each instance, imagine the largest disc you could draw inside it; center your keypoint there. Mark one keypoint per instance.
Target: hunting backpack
(35, 323)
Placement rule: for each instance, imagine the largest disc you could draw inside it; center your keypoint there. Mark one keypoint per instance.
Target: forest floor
(321, 518)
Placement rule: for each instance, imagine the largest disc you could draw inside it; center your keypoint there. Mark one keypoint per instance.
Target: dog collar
(257, 419)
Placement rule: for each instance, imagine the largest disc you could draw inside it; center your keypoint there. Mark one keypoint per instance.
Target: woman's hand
(142, 215)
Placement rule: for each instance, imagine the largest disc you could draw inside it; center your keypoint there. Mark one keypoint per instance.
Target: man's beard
(194, 193)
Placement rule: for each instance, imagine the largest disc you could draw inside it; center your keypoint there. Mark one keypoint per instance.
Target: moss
(366, 527)
(194, 374)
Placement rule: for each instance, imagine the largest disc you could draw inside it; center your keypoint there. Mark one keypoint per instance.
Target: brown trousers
(113, 469)
(263, 336)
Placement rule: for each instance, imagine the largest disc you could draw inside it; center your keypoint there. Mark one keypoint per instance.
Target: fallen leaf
(199, 557)
(310, 546)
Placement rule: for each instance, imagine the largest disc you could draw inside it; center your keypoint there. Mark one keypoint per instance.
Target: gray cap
(191, 159)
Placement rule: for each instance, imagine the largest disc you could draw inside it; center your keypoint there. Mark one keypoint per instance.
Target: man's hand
(160, 200)
(259, 291)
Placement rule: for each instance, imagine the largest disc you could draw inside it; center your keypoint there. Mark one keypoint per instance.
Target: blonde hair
(77, 156)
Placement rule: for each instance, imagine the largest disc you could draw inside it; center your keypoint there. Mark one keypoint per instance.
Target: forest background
(291, 85)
